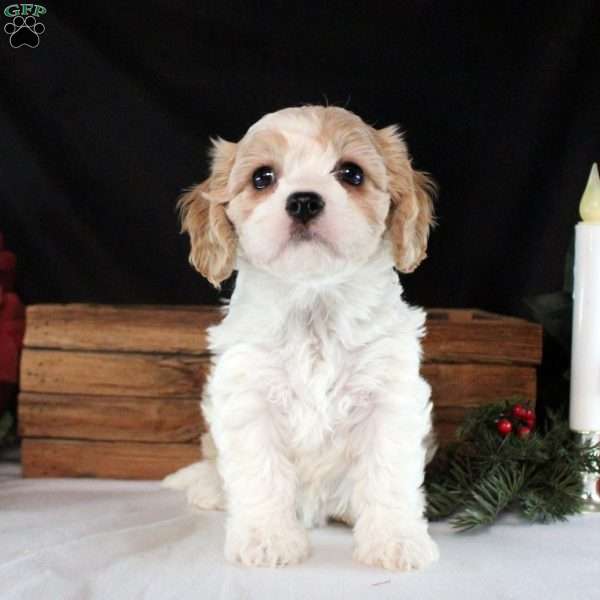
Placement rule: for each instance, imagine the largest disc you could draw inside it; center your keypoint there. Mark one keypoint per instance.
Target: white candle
(584, 413)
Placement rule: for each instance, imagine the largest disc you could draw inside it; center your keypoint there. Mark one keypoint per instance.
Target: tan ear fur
(202, 212)
(411, 211)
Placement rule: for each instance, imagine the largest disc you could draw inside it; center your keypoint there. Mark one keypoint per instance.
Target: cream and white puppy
(315, 404)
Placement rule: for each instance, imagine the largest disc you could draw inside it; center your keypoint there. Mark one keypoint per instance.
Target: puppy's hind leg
(201, 480)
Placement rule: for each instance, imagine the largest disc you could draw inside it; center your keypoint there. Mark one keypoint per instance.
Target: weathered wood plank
(475, 336)
(454, 335)
(134, 419)
(455, 388)
(152, 420)
(118, 377)
(176, 376)
(445, 433)
(162, 329)
(469, 385)
(447, 419)
(43, 457)
(112, 374)
(110, 460)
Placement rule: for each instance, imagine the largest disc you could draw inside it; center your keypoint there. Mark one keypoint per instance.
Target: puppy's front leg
(388, 503)
(260, 485)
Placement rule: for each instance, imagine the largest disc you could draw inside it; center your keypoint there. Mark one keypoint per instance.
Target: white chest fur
(318, 359)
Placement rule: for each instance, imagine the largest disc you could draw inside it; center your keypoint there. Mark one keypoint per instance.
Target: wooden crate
(109, 391)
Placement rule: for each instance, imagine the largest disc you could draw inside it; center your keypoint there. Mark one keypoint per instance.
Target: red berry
(523, 431)
(529, 415)
(504, 427)
(518, 411)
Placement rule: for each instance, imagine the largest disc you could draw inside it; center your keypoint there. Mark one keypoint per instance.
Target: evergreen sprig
(483, 474)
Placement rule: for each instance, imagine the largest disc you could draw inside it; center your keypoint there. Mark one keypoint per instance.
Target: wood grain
(152, 420)
(113, 374)
(476, 336)
(111, 391)
(453, 335)
(162, 329)
(176, 376)
(134, 460)
(110, 460)
(445, 433)
(468, 385)
(455, 388)
(109, 418)
(447, 419)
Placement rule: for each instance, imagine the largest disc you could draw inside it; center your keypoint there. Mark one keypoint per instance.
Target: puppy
(315, 405)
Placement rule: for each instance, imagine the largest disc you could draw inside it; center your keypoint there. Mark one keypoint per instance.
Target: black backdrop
(105, 122)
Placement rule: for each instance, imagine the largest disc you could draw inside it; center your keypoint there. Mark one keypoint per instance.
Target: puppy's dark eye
(263, 177)
(350, 173)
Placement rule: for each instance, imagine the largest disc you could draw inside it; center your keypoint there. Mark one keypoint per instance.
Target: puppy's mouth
(303, 233)
(305, 236)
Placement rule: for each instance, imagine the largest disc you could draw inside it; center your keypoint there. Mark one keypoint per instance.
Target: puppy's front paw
(269, 546)
(397, 550)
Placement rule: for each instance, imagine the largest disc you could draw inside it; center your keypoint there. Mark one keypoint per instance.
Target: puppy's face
(308, 192)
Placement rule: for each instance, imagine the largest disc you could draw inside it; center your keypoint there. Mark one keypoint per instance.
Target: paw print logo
(24, 31)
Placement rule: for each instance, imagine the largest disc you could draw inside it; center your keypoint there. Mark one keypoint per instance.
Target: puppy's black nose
(304, 206)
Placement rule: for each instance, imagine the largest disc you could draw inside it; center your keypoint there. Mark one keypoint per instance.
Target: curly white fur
(315, 404)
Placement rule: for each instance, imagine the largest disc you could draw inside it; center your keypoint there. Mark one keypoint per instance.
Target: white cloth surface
(85, 539)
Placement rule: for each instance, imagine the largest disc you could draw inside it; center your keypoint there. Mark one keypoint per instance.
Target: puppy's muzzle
(304, 206)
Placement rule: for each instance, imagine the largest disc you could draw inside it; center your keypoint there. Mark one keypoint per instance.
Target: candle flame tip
(589, 208)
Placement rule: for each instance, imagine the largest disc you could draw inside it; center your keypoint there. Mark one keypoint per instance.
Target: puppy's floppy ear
(411, 210)
(202, 211)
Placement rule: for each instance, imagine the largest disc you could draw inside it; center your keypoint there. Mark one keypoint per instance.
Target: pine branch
(483, 474)
(489, 497)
